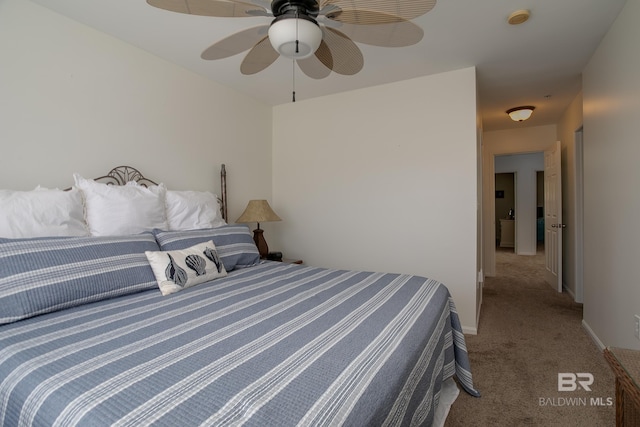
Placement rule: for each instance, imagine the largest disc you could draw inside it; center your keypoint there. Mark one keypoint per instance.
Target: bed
(89, 336)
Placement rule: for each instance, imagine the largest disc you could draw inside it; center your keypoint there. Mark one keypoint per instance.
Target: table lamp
(259, 211)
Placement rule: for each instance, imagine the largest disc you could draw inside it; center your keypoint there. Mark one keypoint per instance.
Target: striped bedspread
(270, 345)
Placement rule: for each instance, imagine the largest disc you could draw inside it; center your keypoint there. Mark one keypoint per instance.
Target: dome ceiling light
(297, 36)
(520, 114)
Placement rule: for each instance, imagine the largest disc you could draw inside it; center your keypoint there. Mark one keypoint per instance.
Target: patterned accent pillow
(180, 269)
(234, 243)
(49, 274)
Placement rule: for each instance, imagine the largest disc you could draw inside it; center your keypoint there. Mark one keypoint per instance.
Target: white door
(553, 216)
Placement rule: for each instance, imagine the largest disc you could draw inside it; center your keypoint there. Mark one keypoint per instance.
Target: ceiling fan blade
(398, 34)
(317, 66)
(235, 43)
(364, 12)
(365, 17)
(259, 57)
(346, 55)
(221, 8)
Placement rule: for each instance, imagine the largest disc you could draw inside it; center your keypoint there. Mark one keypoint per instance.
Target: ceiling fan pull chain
(293, 62)
(293, 73)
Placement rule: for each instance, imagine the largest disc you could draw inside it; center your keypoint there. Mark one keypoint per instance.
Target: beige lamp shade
(258, 211)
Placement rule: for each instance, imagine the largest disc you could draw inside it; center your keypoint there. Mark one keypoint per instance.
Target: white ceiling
(537, 63)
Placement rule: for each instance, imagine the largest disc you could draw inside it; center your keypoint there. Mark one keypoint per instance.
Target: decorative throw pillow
(41, 213)
(113, 210)
(234, 243)
(180, 269)
(192, 210)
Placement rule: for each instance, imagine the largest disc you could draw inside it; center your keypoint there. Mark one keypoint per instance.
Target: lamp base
(258, 238)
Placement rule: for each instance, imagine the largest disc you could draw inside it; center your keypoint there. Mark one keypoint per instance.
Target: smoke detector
(519, 17)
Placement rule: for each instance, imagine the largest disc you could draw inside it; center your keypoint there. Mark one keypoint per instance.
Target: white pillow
(112, 210)
(41, 213)
(192, 210)
(180, 269)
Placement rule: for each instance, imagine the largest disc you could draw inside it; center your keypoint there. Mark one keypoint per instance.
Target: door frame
(579, 215)
(515, 203)
(489, 154)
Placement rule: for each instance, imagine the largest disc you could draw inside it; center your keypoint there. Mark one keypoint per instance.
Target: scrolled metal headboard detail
(120, 175)
(223, 192)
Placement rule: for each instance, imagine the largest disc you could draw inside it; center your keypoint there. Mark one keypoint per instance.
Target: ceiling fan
(318, 35)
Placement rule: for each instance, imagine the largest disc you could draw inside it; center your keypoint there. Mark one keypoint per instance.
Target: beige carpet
(529, 333)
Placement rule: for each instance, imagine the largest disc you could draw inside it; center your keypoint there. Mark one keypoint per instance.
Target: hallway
(528, 333)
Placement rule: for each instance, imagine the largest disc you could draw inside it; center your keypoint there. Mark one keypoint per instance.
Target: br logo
(568, 381)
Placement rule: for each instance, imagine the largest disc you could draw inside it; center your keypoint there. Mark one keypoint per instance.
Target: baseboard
(569, 291)
(526, 253)
(469, 331)
(593, 336)
(473, 330)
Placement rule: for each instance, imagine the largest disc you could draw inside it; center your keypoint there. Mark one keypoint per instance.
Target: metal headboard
(120, 175)
(223, 192)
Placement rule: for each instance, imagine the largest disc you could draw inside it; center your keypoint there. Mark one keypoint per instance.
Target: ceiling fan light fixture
(520, 114)
(295, 37)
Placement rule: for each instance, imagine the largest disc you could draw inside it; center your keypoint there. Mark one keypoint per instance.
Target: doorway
(491, 155)
(505, 203)
(506, 198)
(524, 141)
(520, 210)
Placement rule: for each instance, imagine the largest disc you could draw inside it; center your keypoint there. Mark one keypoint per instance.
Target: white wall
(495, 143)
(525, 167)
(76, 100)
(383, 179)
(611, 88)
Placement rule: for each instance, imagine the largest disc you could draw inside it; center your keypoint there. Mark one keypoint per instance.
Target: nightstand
(507, 233)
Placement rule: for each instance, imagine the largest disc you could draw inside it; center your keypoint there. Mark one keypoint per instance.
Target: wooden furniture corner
(625, 364)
